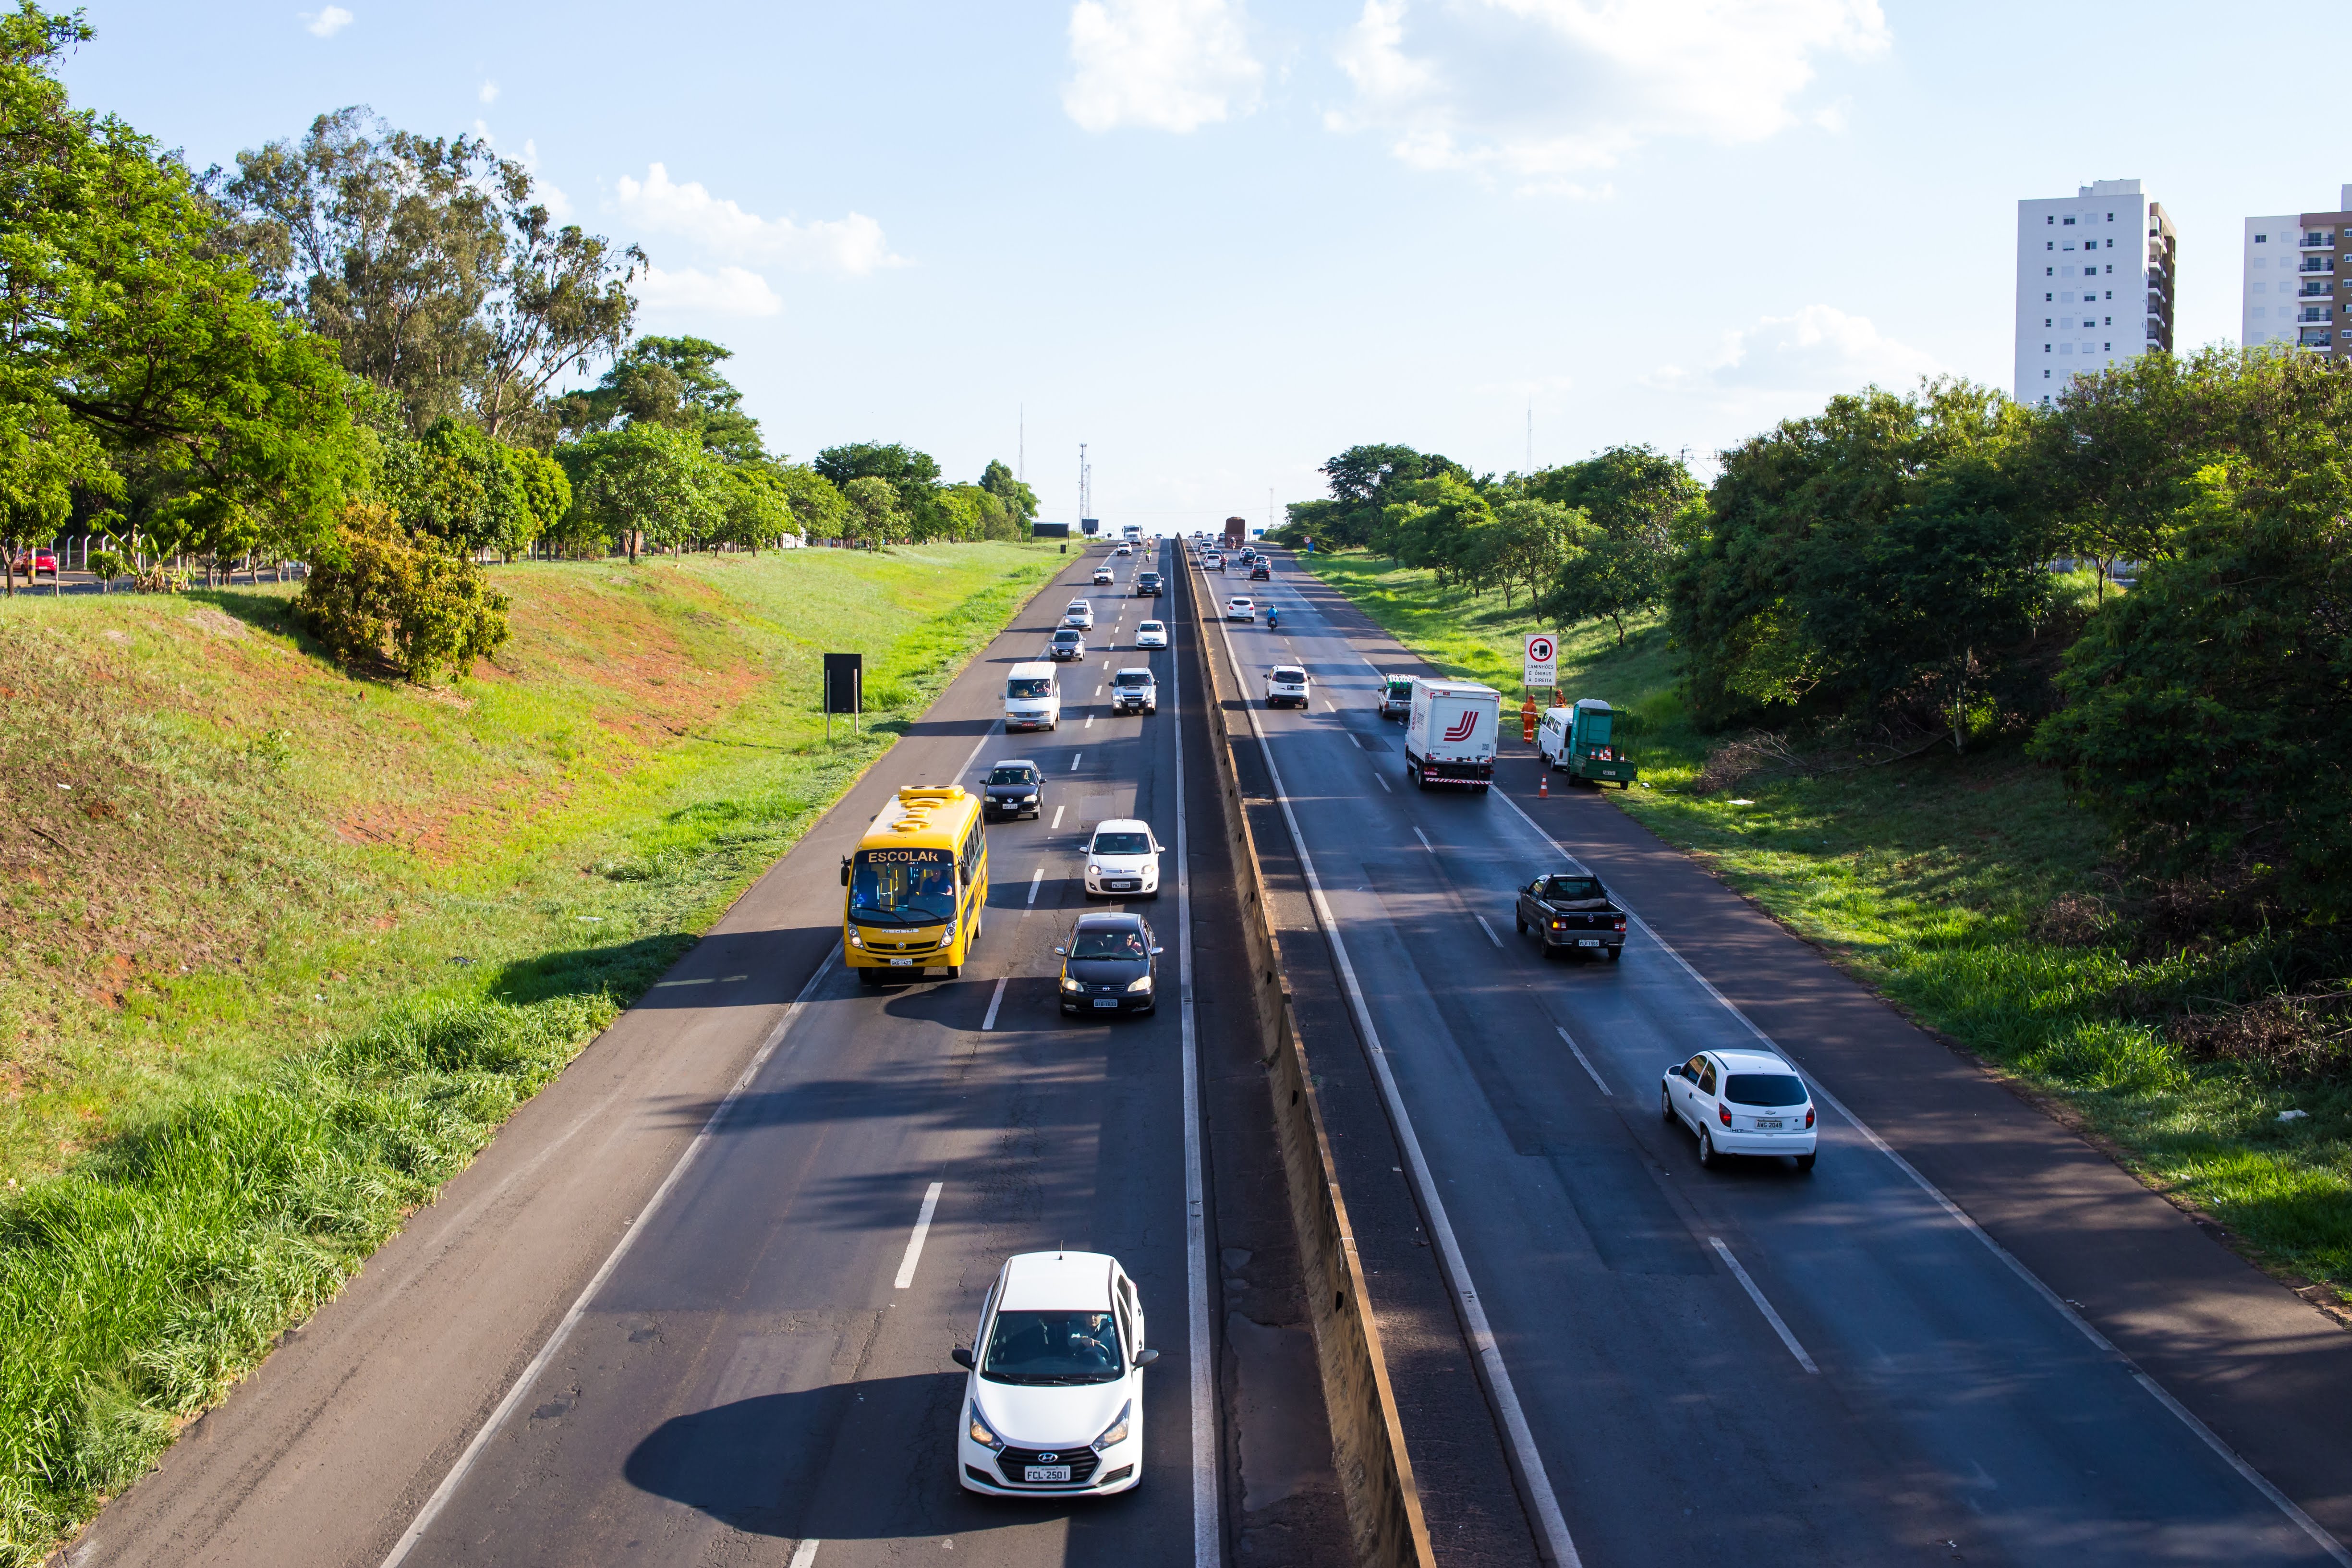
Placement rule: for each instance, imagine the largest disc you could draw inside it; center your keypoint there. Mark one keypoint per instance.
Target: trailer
(1449, 734)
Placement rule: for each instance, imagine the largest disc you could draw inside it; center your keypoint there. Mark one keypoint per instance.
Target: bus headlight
(855, 940)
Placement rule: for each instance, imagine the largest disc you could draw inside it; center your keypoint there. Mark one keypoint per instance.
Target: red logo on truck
(1459, 730)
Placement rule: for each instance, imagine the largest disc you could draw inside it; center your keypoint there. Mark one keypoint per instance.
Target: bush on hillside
(379, 598)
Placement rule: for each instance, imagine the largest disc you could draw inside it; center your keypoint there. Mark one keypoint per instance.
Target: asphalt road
(1909, 1396)
(676, 1313)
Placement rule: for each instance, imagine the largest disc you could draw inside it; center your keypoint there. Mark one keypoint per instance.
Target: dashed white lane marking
(1425, 844)
(1489, 929)
(1579, 1057)
(805, 1555)
(993, 1004)
(923, 1228)
(1087, 725)
(1057, 824)
(1383, 783)
(1075, 755)
(1762, 1305)
(1037, 878)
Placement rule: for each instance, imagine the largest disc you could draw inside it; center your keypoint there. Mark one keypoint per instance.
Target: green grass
(1922, 878)
(290, 947)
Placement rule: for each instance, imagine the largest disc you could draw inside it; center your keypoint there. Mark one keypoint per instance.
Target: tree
(818, 509)
(913, 477)
(757, 505)
(1365, 482)
(2208, 711)
(432, 267)
(1019, 500)
(674, 382)
(873, 512)
(379, 594)
(643, 485)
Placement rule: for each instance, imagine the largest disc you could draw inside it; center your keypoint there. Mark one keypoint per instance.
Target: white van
(1032, 698)
(1450, 734)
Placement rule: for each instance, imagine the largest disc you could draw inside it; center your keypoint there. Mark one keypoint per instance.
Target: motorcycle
(1273, 619)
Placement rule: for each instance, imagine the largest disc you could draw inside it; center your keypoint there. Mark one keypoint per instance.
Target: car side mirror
(1065, 953)
(1676, 1070)
(845, 870)
(1145, 1358)
(960, 1356)
(1158, 951)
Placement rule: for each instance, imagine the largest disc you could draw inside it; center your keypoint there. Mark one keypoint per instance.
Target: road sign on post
(1542, 661)
(844, 689)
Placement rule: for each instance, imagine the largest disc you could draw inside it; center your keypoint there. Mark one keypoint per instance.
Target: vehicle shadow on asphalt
(876, 1460)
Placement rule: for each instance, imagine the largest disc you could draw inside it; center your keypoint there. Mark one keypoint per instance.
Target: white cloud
(1538, 90)
(725, 291)
(1165, 65)
(489, 93)
(852, 245)
(1818, 352)
(326, 24)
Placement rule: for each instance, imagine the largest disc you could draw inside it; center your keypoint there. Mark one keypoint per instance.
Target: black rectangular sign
(845, 683)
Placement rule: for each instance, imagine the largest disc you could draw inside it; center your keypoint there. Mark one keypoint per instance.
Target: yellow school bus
(917, 886)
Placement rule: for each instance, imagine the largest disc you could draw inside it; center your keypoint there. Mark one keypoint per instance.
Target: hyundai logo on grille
(1048, 1458)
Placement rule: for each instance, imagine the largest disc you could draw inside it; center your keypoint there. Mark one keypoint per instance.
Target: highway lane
(1671, 1417)
(751, 1376)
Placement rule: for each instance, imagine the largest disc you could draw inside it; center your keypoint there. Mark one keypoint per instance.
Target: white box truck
(1449, 734)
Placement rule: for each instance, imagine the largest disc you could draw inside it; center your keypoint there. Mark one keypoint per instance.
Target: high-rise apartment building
(2096, 277)
(2292, 295)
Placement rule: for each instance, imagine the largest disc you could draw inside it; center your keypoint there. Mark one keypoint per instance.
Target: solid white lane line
(1383, 783)
(1425, 844)
(2311, 1527)
(1551, 1524)
(1762, 1305)
(1197, 1351)
(1487, 928)
(993, 1004)
(805, 1555)
(923, 1228)
(1586, 1061)
(538, 1364)
(1057, 825)
(1035, 878)
(1075, 755)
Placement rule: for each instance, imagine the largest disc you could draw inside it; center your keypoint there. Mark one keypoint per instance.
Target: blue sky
(1219, 241)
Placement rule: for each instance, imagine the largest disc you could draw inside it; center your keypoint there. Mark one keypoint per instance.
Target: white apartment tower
(2094, 284)
(2292, 295)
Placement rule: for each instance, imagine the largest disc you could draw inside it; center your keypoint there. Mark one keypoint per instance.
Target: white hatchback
(1102, 574)
(1080, 615)
(1152, 634)
(1053, 1387)
(1286, 686)
(1741, 1102)
(1123, 858)
(1241, 609)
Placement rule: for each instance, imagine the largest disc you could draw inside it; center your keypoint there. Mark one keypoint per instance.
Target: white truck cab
(1450, 734)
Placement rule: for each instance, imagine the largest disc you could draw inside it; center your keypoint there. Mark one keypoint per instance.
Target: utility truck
(1589, 741)
(1449, 734)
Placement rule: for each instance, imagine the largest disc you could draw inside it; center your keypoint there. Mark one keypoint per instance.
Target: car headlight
(1139, 986)
(1094, 870)
(1114, 1432)
(1028, 800)
(855, 940)
(1070, 984)
(983, 1434)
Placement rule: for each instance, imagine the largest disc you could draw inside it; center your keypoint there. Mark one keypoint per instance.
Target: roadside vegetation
(2088, 829)
(284, 946)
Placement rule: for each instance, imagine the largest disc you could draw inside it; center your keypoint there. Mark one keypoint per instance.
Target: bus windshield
(903, 887)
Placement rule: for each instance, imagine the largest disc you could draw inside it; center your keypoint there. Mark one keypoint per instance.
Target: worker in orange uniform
(1527, 718)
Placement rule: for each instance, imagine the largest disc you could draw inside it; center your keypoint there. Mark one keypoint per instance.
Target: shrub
(407, 602)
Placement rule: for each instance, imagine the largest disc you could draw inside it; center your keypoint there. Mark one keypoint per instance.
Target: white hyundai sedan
(1152, 634)
(1741, 1102)
(1123, 858)
(1054, 1390)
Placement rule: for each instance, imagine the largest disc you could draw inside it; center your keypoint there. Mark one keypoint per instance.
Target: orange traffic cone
(1543, 783)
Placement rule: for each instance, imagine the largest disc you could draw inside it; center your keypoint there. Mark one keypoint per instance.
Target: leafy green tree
(2208, 711)
(913, 477)
(818, 509)
(875, 514)
(1365, 482)
(674, 382)
(1020, 502)
(380, 594)
(1440, 523)
(757, 504)
(645, 484)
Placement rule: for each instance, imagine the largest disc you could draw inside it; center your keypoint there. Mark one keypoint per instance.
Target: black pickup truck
(1571, 912)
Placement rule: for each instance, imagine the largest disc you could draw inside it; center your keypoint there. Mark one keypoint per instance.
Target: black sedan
(1109, 966)
(1015, 788)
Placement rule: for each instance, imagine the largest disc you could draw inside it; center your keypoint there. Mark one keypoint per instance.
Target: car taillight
(1809, 1116)
(1620, 925)
(1723, 1114)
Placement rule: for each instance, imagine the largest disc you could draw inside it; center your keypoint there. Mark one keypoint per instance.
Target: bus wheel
(869, 977)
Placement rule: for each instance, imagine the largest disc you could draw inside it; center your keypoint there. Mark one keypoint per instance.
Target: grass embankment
(284, 947)
(1923, 878)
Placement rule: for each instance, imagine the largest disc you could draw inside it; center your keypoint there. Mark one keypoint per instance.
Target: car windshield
(1011, 775)
(1047, 1348)
(1122, 844)
(903, 886)
(1151, 626)
(1029, 688)
(1109, 942)
(1573, 888)
(1763, 1089)
(1132, 678)
(1065, 636)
